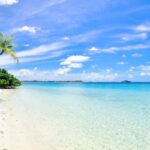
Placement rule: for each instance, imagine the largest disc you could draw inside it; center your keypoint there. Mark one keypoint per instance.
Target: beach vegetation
(7, 80)
(6, 46)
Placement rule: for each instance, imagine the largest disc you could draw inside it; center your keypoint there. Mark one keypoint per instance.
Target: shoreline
(46, 120)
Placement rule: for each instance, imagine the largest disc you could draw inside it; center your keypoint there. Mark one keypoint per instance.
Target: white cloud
(88, 36)
(109, 70)
(42, 49)
(7, 60)
(29, 29)
(8, 2)
(82, 38)
(75, 59)
(34, 53)
(122, 63)
(141, 36)
(25, 72)
(123, 48)
(96, 76)
(62, 75)
(144, 68)
(55, 46)
(126, 48)
(66, 38)
(140, 68)
(33, 74)
(63, 71)
(72, 62)
(93, 49)
(143, 28)
(145, 74)
(137, 55)
(75, 65)
(132, 69)
(43, 7)
(42, 52)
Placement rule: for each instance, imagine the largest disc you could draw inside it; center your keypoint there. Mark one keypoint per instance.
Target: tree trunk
(1, 52)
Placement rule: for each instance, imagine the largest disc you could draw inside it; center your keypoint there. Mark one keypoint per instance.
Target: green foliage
(7, 80)
(6, 46)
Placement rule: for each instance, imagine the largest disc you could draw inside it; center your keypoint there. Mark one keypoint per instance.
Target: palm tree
(6, 46)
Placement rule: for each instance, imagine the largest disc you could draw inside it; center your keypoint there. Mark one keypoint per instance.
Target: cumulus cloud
(75, 65)
(75, 59)
(8, 2)
(143, 70)
(29, 29)
(33, 74)
(63, 71)
(44, 50)
(143, 28)
(60, 75)
(93, 49)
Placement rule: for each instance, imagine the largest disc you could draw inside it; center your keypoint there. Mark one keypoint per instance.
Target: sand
(15, 132)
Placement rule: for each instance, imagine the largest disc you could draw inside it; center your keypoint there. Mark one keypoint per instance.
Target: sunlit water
(88, 116)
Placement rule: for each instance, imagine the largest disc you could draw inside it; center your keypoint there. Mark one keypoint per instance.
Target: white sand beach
(15, 132)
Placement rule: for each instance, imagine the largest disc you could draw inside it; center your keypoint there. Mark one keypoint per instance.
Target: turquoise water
(88, 116)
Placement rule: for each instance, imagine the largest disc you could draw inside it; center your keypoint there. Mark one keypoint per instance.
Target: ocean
(87, 116)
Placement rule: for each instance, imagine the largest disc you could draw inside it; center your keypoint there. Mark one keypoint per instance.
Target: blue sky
(91, 40)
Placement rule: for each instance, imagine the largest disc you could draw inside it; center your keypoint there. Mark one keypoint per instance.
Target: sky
(89, 40)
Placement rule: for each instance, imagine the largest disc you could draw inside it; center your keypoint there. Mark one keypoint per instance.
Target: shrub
(7, 80)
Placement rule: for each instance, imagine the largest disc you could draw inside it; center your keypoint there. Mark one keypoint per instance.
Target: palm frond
(6, 46)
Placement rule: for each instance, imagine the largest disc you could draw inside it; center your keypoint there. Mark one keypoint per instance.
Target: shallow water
(87, 116)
